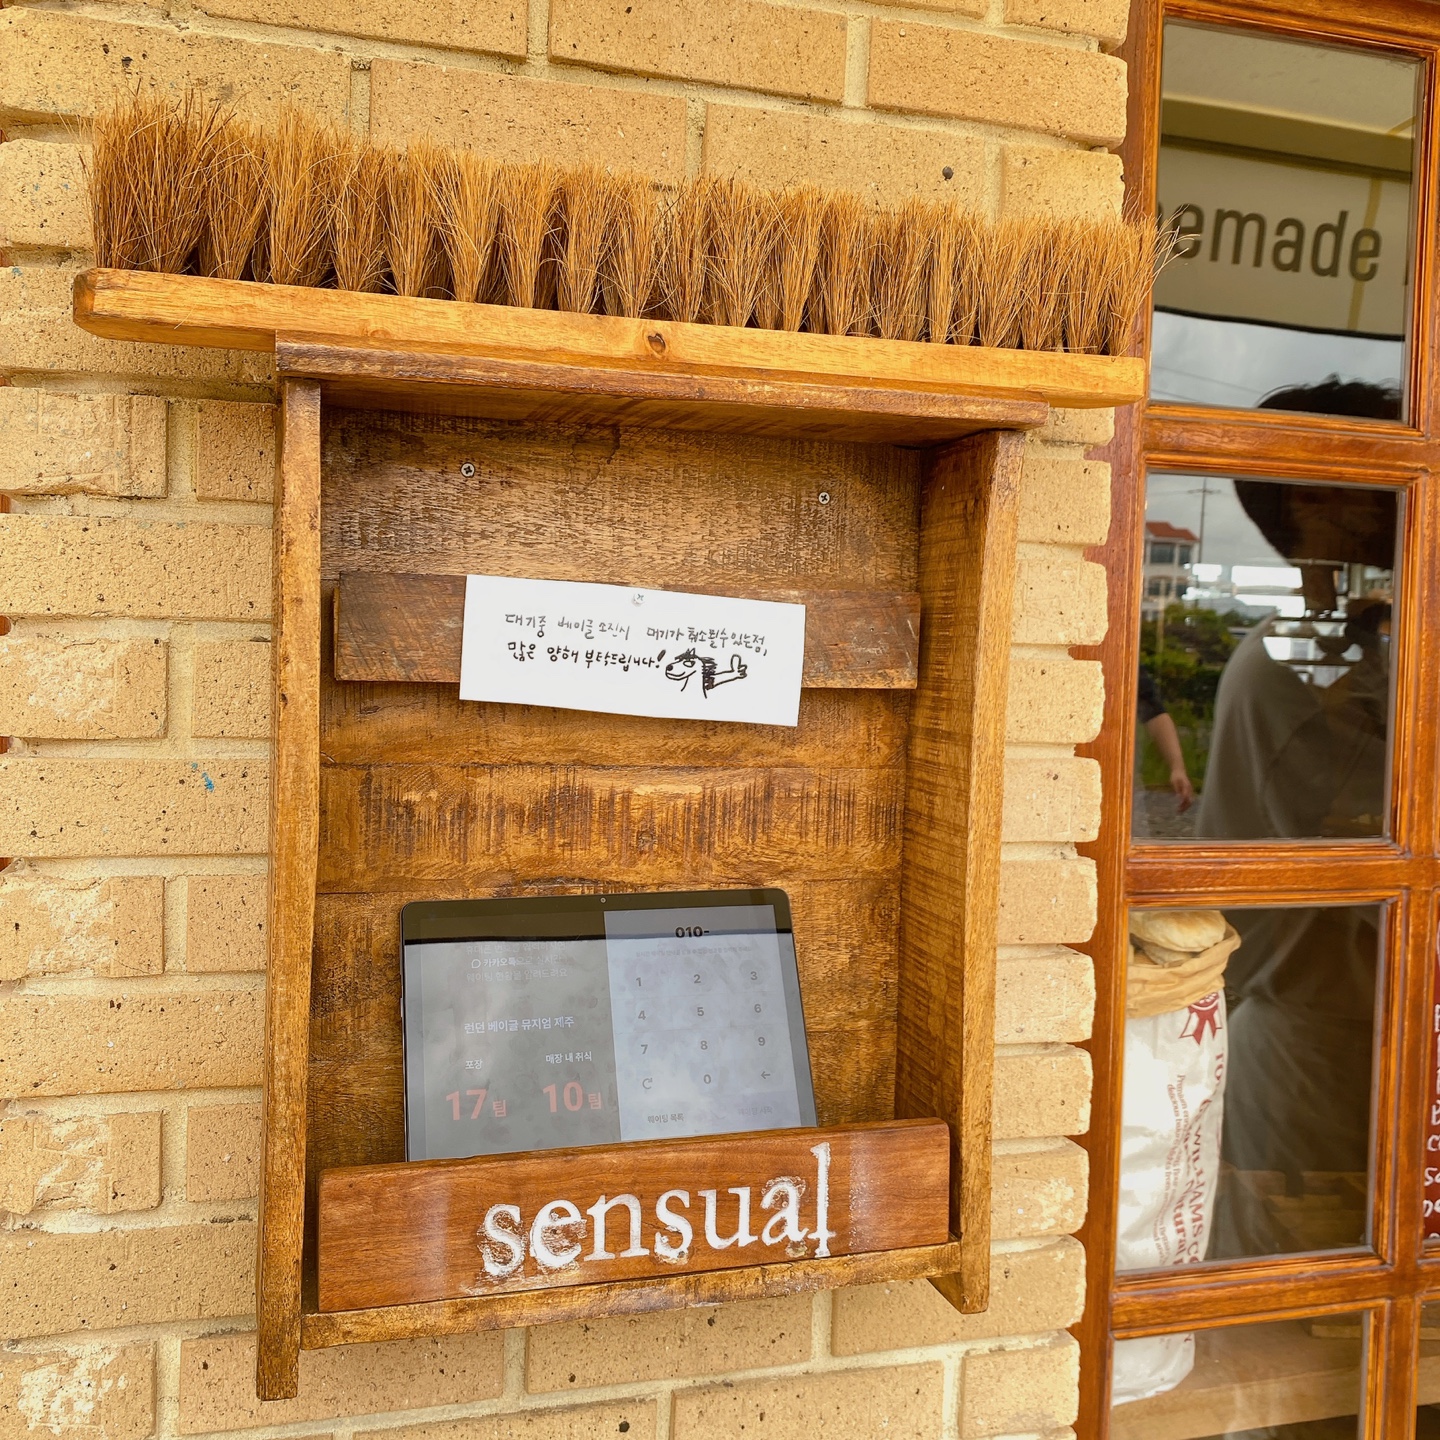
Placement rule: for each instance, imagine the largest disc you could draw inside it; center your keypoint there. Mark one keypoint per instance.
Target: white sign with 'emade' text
(623, 651)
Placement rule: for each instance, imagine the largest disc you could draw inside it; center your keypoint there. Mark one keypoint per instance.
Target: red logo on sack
(1204, 1019)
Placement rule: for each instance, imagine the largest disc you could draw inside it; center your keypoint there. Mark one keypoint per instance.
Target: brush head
(302, 179)
(178, 185)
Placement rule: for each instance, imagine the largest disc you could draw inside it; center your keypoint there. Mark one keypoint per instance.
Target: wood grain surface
(949, 888)
(403, 627)
(238, 314)
(405, 1234)
(294, 841)
(624, 1297)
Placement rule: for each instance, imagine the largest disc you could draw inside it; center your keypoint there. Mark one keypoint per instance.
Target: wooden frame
(537, 368)
(1389, 1279)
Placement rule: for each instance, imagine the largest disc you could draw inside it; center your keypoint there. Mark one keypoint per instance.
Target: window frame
(1398, 1272)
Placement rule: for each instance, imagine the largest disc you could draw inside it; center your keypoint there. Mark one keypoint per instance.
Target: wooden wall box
(424, 440)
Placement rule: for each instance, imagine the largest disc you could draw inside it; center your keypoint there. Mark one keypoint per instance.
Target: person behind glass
(1152, 714)
(1293, 760)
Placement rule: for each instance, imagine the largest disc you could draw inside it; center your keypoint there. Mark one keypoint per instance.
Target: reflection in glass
(1245, 1127)
(1264, 687)
(1285, 169)
(1427, 1376)
(1290, 1380)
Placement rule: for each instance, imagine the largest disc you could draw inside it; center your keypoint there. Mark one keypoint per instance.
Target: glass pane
(1264, 688)
(1246, 1112)
(1285, 168)
(1427, 1376)
(1289, 1380)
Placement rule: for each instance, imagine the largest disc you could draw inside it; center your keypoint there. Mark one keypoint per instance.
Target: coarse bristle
(796, 251)
(842, 290)
(148, 176)
(1139, 250)
(468, 199)
(582, 218)
(632, 257)
(1044, 252)
(235, 201)
(741, 221)
(527, 203)
(1001, 282)
(180, 185)
(359, 225)
(685, 249)
(414, 246)
(300, 182)
(901, 262)
(944, 223)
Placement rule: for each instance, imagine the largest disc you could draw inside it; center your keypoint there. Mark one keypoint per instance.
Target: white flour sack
(1169, 1168)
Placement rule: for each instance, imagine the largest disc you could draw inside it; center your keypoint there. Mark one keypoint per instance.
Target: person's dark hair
(1334, 396)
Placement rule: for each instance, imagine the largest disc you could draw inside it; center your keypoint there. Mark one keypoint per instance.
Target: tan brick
(94, 565)
(113, 927)
(787, 51)
(54, 807)
(1038, 1188)
(634, 1348)
(1046, 180)
(1056, 800)
(55, 63)
(1010, 1391)
(1054, 702)
(54, 443)
(234, 451)
(66, 689)
(511, 117)
(1076, 427)
(902, 1404)
(1041, 1090)
(232, 689)
(39, 335)
(1106, 20)
(217, 1380)
(975, 9)
(970, 76)
(1063, 501)
(1060, 599)
(889, 163)
(496, 27)
(222, 1152)
(225, 923)
(42, 196)
(56, 1283)
(634, 1419)
(1046, 902)
(101, 1044)
(101, 1163)
(1039, 1287)
(1044, 995)
(98, 1393)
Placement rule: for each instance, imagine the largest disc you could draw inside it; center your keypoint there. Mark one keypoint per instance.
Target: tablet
(541, 1022)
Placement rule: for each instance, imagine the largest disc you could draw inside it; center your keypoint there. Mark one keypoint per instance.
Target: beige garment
(1152, 989)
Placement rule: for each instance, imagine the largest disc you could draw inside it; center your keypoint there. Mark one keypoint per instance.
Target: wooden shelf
(421, 441)
(545, 365)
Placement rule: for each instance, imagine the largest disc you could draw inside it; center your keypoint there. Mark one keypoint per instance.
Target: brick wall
(134, 566)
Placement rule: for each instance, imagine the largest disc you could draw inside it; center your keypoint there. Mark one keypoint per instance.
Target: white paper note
(578, 646)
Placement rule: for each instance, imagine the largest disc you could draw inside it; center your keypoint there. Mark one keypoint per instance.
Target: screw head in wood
(467, 470)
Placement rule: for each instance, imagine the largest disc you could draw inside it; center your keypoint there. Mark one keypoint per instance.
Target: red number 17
(454, 1098)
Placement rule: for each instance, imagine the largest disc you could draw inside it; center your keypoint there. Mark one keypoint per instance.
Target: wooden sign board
(401, 1234)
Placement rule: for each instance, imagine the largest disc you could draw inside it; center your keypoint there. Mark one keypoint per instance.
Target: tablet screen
(583, 1020)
